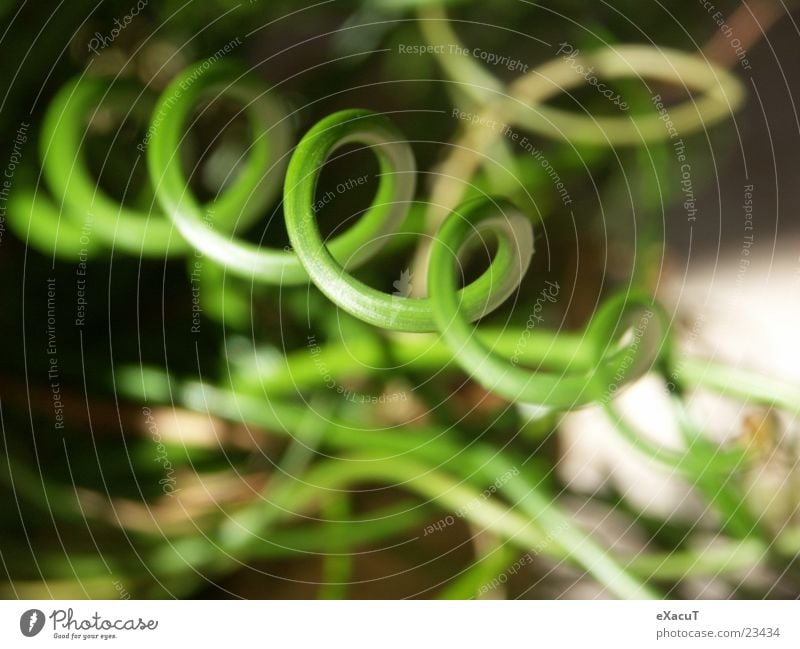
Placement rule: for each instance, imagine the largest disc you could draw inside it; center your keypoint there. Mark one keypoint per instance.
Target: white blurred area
(742, 313)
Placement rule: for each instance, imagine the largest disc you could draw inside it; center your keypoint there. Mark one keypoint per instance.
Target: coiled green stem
(563, 390)
(82, 218)
(396, 186)
(391, 312)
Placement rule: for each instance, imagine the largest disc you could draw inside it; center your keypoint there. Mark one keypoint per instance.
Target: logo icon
(403, 285)
(31, 622)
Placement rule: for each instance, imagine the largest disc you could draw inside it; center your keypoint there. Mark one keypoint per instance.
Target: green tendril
(502, 375)
(366, 303)
(397, 182)
(254, 186)
(62, 144)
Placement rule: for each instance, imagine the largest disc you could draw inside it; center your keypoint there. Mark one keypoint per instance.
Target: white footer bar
(389, 624)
